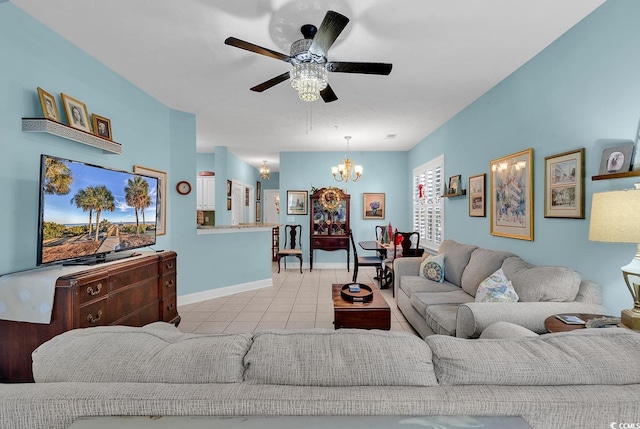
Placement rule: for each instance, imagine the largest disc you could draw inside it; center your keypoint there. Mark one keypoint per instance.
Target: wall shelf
(462, 193)
(633, 173)
(41, 125)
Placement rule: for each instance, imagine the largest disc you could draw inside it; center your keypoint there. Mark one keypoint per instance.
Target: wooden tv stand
(134, 292)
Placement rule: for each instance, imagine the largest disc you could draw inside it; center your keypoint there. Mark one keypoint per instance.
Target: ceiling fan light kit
(310, 69)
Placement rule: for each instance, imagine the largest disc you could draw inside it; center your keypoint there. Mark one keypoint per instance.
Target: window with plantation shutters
(428, 205)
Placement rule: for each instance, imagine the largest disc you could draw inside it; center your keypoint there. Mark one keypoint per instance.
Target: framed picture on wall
(258, 190)
(373, 206)
(48, 103)
(564, 185)
(228, 203)
(228, 188)
(511, 184)
(161, 192)
(77, 114)
(297, 202)
(477, 207)
(258, 211)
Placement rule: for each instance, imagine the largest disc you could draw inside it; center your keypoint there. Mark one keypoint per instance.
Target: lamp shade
(615, 217)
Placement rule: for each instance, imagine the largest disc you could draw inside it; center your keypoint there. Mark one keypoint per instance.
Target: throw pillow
(496, 288)
(432, 268)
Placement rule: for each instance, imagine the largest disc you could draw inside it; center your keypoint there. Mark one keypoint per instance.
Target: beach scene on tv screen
(89, 210)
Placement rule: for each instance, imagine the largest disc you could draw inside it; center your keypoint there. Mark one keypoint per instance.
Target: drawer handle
(93, 319)
(92, 292)
(170, 307)
(168, 283)
(169, 265)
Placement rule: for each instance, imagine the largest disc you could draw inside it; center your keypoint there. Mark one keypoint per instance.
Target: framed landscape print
(373, 206)
(161, 208)
(297, 202)
(77, 114)
(564, 185)
(477, 207)
(511, 193)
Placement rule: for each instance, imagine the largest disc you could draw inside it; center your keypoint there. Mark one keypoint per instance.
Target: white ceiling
(445, 54)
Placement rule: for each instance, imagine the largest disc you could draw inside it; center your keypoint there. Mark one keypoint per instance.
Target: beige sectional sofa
(552, 381)
(450, 308)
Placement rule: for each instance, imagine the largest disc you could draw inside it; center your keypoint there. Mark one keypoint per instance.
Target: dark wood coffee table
(553, 324)
(374, 314)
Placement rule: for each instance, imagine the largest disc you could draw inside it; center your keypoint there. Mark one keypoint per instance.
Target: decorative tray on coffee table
(364, 294)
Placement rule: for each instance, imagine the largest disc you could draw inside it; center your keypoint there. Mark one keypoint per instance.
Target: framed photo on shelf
(564, 185)
(511, 193)
(477, 206)
(48, 103)
(161, 192)
(616, 159)
(77, 114)
(102, 126)
(297, 202)
(373, 206)
(454, 185)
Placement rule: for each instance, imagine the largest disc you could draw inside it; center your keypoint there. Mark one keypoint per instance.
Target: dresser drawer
(95, 314)
(143, 316)
(92, 290)
(330, 243)
(168, 266)
(137, 274)
(169, 308)
(130, 299)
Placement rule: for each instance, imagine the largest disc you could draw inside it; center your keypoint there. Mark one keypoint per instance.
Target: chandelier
(264, 171)
(309, 79)
(347, 170)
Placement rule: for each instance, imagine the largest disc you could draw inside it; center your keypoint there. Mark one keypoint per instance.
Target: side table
(552, 324)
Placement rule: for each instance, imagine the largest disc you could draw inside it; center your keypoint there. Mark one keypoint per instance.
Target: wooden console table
(134, 292)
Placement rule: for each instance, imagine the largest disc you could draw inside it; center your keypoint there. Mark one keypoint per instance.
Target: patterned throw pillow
(496, 288)
(432, 268)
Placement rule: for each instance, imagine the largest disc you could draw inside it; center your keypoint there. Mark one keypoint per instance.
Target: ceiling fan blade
(328, 95)
(331, 27)
(365, 68)
(232, 41)
(271, 82)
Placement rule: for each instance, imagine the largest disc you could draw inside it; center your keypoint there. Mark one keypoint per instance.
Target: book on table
(570, 320)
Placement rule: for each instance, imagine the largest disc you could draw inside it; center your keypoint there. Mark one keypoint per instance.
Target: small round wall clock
(183, 187)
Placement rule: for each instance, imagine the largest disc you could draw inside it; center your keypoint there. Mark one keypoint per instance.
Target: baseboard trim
(192, 298)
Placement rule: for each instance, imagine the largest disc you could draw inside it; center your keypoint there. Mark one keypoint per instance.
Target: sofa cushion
(482, 264)
(432, 268)
(496, 288)
(140, 355)
(442, 318)
(541, 283)
(421, 300)
(457, 259)
(345, 357)
(592, 357)
(413, 284)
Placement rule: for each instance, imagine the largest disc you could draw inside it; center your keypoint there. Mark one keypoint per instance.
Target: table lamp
(615, 218)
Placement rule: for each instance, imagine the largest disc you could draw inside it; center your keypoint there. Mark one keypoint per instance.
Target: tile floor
(295, 301)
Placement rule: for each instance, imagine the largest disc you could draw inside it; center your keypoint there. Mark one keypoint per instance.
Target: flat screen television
(88, 212)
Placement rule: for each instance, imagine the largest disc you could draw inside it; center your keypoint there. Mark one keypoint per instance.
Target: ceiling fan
(308, 57)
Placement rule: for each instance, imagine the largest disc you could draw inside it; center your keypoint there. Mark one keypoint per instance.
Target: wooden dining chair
(410, 244)
(292, 245)
(364, 261)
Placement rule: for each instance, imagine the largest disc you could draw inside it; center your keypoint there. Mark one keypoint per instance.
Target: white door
(237, 203)
(269, 212)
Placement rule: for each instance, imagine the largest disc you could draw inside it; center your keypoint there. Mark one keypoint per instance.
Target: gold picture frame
(297, 202)
(564, 185)
(373, 206)
(102, 126)
(49, 107)
(77, 114)
(161, 192)
(511, 184)
(477, 204)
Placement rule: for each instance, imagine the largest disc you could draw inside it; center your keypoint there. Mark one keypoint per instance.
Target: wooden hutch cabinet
(134, 292)
(329, 229)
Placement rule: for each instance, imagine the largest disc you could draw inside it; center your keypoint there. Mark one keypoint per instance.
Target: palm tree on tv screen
(104, 200)
(57, 177)
(137, 196)
(85, 199)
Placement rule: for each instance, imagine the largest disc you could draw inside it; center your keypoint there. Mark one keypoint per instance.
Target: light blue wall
(582, 91)
(383, 172)
(151, 135)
